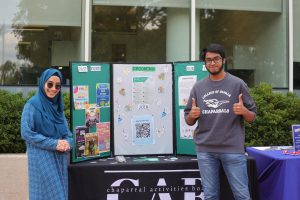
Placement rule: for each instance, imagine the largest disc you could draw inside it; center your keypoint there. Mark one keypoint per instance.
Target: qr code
(142, 130)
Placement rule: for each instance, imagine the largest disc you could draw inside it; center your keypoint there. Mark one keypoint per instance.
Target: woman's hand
(62, 146)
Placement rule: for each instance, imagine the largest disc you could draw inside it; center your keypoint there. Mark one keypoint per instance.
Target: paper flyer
(185, 84)
(80, 132)
(296, 136)
(91, 145)
(142, 130)
(103, 130)
(80, 96)
(92, 115)
(143, 90)
(186, 131)
(102, 95)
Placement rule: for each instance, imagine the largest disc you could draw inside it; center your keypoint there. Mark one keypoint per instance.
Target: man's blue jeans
(235, 168)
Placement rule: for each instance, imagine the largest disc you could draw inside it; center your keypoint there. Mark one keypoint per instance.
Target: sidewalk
(13, 177)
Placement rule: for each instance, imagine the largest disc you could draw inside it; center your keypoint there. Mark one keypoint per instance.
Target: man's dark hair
(215, 48)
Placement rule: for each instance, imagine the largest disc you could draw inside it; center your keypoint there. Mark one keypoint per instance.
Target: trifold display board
(186, 75)
(142, 109)
(90, 110)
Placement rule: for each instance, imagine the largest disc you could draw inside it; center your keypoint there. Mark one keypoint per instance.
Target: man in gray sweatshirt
(220, 103)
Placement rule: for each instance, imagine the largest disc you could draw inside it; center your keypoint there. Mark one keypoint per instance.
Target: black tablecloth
(163, 177)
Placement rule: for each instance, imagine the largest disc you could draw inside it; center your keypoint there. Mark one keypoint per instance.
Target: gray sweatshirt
(219, 129)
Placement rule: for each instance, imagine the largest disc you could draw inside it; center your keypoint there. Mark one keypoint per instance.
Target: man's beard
(216, 72)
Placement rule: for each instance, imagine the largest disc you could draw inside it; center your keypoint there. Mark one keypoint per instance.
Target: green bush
(66, 97)
(276, 112)
(11, 107)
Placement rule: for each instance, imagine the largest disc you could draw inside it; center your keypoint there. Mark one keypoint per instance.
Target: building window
(296, 75)
(255, 43)
(37, 36)
(152, 31)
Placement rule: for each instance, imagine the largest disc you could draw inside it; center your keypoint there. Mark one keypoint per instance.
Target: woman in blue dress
(48, 139)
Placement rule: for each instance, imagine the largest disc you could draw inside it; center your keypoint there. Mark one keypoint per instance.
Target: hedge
(272, 127)
(11, 107)
(276, 113)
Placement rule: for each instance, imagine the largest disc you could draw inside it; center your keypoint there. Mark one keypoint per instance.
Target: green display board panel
(86, 76)
(185, 75)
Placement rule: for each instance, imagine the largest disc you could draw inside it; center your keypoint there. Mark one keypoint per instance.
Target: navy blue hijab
(50, 119)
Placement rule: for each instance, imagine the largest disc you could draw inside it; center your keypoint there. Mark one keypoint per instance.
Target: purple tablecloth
(278, 174)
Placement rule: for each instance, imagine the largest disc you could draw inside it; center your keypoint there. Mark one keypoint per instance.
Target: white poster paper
(143, 118)
(185, 84)
(186, 131)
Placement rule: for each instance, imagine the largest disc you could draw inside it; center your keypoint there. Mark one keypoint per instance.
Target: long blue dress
(43, 123)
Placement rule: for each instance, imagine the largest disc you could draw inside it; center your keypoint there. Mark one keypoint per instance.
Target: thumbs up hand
(239, 108)
(195, 111)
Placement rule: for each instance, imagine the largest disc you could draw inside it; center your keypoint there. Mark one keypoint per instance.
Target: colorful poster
(92, 115)
(103, 130)
(91, 145)
(80, 96)
(80, 132)
(296, 136)
(186, 131)
(185, 84)
(102, 94)
(142, 130)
